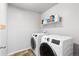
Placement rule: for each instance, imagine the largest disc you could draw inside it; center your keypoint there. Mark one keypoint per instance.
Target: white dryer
(35, 42)
(56, 45)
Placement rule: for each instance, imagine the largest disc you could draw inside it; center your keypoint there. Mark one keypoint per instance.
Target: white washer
(35, 42)
(56, 45)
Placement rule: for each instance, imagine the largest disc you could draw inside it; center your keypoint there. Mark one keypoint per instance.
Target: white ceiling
(35, 7)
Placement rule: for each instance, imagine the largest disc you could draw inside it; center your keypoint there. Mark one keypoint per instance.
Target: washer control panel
(55, 41)
(51, 40)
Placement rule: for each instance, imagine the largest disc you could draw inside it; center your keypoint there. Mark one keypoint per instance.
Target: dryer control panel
(55, 41)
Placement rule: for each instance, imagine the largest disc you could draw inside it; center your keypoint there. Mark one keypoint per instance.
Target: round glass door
(45, 50)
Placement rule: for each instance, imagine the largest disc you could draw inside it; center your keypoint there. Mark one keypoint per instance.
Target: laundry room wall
(21, 24)
(70, 21)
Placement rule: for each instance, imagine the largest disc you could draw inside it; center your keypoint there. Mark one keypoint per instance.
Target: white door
(3, 42)
(3, 32)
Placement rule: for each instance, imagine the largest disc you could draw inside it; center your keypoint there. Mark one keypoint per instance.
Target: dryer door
(45, 50)
(33, 43)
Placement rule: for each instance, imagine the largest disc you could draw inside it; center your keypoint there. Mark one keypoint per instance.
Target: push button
(35, 35)
(48, 39)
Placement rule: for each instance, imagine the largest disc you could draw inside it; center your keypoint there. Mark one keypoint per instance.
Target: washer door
(33, 43)
(45, 50)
